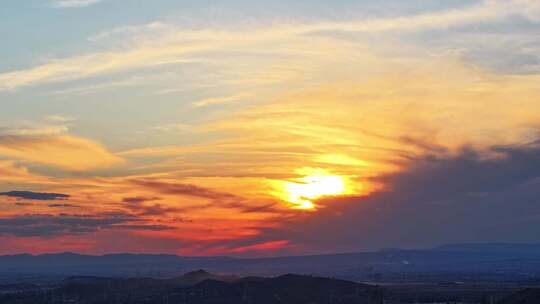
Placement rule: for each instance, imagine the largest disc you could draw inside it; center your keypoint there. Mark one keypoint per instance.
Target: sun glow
(316, 184)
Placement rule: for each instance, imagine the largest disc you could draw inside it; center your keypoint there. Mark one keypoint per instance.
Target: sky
(265, 128)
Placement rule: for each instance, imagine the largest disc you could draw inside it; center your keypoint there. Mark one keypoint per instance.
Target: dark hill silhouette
(293, 289)
(194, 277)
(289, 288)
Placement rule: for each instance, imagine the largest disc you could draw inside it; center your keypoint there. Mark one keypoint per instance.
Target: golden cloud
(62, 151)
(10, 172)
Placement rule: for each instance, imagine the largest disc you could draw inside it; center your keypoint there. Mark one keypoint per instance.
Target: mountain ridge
(487, 261)
(488, 246)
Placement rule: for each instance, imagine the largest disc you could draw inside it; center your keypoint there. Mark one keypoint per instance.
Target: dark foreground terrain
(527, 296)
(201, 287)
(197, 287)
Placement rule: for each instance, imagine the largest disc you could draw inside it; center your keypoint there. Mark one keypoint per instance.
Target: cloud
(265, 208)
(45, 225)
(12, 172)
(58, 150)
(485, 11)
(96, 64)
(361, 128)
(39, 196)
(23, 204)
(62, 206)
(144, 227)
(59, 119)
(325, 98)
(173, 127)
(75, 3)
(139, 199)
(175, 45)
(220, 100)
(469, 196)
(44, 130)
(155, 210)
(184, 190)
(155, 27)
(266, 248)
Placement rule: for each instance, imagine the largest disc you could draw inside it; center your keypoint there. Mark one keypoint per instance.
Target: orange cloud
(10, 172)
(266, 246)
(62, 151)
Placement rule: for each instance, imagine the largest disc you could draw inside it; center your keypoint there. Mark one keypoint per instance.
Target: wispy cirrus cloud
(175, 45)
(220, 100)
(74, 3)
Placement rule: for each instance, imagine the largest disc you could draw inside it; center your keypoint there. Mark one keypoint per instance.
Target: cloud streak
(38, 196)
(183, 190)
(219, 100)
(45, 225)
(75, 3)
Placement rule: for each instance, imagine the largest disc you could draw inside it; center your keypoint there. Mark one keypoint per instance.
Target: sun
(316, 183)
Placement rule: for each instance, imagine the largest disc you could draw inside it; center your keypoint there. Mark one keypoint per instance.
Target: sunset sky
(262, 128)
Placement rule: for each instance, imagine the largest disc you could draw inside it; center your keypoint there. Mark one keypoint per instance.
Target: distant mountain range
(520, 248)
(445, 263)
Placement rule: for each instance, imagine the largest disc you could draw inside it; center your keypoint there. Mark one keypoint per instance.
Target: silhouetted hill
(194, 277)
(293, 289)
(289, 288)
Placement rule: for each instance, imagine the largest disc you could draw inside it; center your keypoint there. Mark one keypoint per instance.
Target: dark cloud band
(39, 196)
(47, 225)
